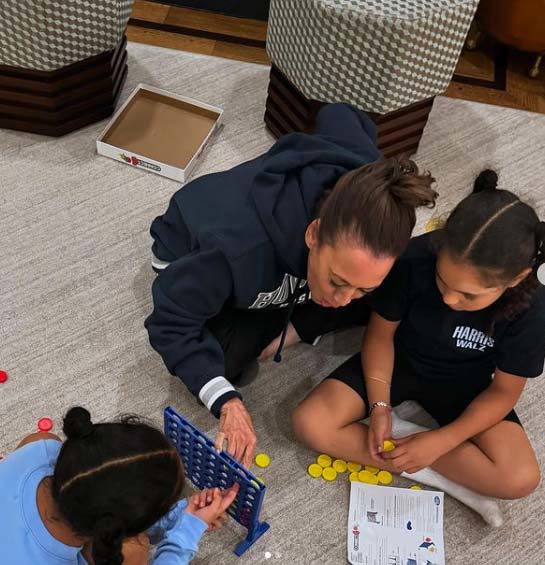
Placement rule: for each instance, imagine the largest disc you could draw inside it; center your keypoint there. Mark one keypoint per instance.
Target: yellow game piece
(353, 467)
(353, 476)
(385, 477)
(371, 469)
(314, 470)
(323, 460)
(415, 487)
(434, 223)
(367, 477)
(339, 465)
(388, 445)
(262, 460)
(364, 475)
(329, 474)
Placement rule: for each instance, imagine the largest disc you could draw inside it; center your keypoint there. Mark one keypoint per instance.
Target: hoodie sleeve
(192, 290)
(177, 536)
(349, 126)
(171, 238)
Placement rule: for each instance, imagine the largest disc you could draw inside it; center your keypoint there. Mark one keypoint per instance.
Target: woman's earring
(541, 274)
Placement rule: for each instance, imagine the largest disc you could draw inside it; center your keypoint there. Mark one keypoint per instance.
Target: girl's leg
(328, 420)
(487, 507)
(498, 462)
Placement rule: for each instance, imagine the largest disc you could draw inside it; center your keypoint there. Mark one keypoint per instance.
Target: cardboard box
(160, 132)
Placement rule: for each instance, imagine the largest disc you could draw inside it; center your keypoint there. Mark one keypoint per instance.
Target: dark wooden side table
(62, 63)
(289, 110)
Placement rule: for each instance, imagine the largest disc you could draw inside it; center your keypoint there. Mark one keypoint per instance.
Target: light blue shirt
(24, 539)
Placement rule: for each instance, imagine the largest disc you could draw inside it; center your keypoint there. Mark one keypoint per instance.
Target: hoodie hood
(293, 177)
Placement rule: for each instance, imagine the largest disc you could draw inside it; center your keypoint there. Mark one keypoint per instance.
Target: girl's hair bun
(487, 180)
(77, 423)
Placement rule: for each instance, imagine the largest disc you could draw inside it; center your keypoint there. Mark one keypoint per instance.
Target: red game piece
(3, 377)
(45, 424)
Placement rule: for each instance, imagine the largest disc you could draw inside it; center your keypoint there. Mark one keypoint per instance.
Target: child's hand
(380, 429)
(414, 452)
(210, 505)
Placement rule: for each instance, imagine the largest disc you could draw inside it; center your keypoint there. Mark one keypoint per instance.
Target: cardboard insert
(162, 128)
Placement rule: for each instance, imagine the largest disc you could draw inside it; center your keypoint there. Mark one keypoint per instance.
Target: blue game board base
(250, 540)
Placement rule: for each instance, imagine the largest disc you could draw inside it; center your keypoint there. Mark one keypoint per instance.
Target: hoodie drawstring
(277, 356)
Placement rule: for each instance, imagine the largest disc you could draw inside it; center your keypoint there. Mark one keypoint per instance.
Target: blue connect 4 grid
(206, 468)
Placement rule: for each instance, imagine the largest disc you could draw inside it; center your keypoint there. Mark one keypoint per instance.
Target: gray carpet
(75, 288)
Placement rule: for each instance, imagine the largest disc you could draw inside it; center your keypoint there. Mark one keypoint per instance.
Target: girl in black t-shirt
(459, 326)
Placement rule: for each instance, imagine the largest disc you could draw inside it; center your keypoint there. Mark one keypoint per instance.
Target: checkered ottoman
(62, 62)
(387, 57)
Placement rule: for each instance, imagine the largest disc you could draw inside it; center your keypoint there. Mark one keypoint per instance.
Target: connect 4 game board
(205, 467)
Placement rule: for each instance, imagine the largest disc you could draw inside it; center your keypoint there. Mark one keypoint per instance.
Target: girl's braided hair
(501, 236)
(113, 481)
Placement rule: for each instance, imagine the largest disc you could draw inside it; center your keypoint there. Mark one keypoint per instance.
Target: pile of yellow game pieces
(329, 469)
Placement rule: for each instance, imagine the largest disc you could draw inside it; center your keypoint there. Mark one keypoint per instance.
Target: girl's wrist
(380, 406)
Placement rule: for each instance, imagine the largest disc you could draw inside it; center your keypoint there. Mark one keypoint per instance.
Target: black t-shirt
(440, 343)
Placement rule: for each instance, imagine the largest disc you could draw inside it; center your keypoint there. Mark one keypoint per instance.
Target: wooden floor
(492, 74)
(198, 32)
(497, 75)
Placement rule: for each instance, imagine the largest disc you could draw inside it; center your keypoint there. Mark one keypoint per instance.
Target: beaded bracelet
(379, 403)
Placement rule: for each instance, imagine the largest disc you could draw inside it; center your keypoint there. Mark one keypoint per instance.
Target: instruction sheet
(395, 526)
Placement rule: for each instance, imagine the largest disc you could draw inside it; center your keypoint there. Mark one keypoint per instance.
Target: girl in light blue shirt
(100, 497)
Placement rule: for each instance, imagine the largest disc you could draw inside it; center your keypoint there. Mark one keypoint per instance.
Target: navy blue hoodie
(237, 238)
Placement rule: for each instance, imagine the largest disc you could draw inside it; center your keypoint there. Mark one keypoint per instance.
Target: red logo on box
(139, 162)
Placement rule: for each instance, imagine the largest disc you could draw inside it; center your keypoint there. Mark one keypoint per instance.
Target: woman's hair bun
(487, 180)
(77, 423)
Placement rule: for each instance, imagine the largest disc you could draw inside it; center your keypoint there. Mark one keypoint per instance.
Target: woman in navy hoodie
(276, 250)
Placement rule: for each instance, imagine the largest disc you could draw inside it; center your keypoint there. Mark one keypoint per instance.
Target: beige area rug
(75, 288)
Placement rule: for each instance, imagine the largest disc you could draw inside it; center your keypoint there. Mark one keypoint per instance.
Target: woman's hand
(414, 452)
(380, 429)
(237, 428)
(210, 505)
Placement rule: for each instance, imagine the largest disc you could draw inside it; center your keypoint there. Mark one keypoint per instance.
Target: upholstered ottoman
(62, 62)
(388, 57)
